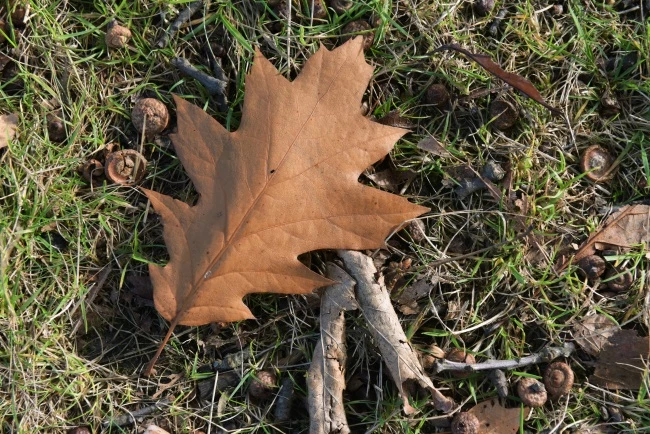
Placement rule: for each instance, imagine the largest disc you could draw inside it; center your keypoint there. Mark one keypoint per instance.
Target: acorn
(92, 171)
(117, 36)
(437, 95)
(483, 7)
(126, 167)
(465, 423)
(341, 6)
(319, 10)
(558, 379)
(503, 114)
(458, 355)
(263, 385)
(430, 355)
(609, 105)
(620, 281)
(149, 116)
(532, 392)
(597, 162)
(55, 128)
(351, 30)
(593, 266)
(18, 13)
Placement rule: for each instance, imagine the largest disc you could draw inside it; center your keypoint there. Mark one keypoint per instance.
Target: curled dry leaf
(623, 361)
(8, 125)
(627, 227)
(517, 81)
(495, 419)
(283, 184)
(593, 332)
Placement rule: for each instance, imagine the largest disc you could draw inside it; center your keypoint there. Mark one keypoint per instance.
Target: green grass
(505, 303)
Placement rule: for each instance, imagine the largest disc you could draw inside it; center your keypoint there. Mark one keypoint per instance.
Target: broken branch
(385, 328)
(214, 86)
(546, 355)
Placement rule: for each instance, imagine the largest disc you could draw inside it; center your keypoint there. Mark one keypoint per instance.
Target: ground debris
(593, 332)
(8, 125)
(326, 375)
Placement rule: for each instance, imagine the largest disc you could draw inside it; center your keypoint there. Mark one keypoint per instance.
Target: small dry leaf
(496, 419)
(408, 299)
(434, 147)
(517, 81)
(8, 125)
(623, 361)
(390, 179)
(593, 332)
(627, 227)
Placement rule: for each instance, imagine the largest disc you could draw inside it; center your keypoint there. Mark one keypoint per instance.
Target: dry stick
(544, 356)
(214, 86)
(130, 418)
(182, 18)
(326, 375)
(385, 328)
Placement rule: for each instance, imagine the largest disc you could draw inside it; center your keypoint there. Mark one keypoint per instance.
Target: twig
(130, 418)
(214, 86)
(326, 375)
(403, 365)
(181, 19)
(282, 412)
(544, 356)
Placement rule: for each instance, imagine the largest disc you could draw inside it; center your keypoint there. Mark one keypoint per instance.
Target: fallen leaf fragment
(517, 81)
(408, 299)
(397, 353)
(283, 184)
(623, 362)
(627, 227)
(153, 429)
(495, 419)
(8, 125)
(326, 375)
(434, 147)
(593, 332)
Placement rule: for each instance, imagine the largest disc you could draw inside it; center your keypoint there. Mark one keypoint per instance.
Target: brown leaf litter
(496, 419)
(623, 362)
(8, 124)
(283, 184)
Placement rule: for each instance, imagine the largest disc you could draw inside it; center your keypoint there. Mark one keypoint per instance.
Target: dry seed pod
(149, 116)
(458, 355)
(593, 266)
(55, 128)
(92, 171)
(532, 392)
(558, 379)
(622, 282)
(437, 95)
(597, 162)
(351, 30)
(125, 167)
(465, 423)
(483, 7)
(117, 36)
(503, 114)
(263, 385)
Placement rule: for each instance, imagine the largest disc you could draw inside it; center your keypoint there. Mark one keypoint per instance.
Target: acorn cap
(263, 385)
(352, 28)
(149, 116)
(532, 392)
(483, 7)
(458, 355)
(558, 379)
(92, 171)
(126, 167)
(620, 281)
(465, 423)
(593, 266)
(117, 36)
(503, 114)
(596, 161)
(437, 95)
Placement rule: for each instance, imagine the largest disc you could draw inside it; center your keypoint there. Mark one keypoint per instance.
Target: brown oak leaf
(285, 183)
